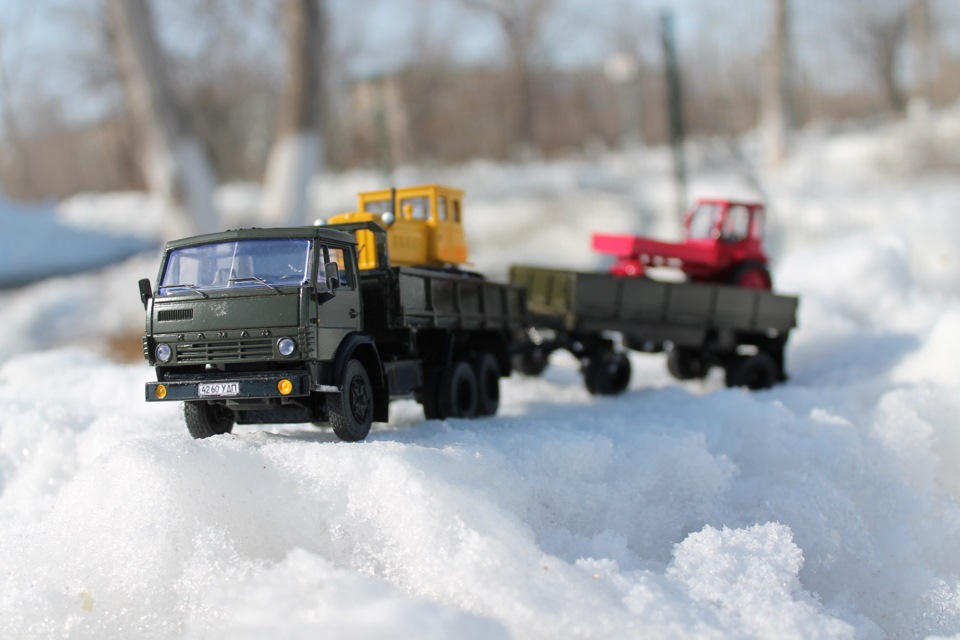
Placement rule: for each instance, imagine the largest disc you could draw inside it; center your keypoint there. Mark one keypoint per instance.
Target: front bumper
(249, 387)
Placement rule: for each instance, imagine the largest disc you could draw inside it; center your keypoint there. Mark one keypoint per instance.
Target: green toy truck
(280, 326)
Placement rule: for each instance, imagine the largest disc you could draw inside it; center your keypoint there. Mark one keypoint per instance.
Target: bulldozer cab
(424, 226)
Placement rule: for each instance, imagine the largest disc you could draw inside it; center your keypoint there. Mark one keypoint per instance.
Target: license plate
(219, 389)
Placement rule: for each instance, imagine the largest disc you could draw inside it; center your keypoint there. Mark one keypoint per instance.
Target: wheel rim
(359, 400)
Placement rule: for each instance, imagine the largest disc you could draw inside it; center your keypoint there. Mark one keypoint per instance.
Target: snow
(827, 507)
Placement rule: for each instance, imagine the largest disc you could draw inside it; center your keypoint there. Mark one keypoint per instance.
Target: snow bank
(36, 245)
(827, 507)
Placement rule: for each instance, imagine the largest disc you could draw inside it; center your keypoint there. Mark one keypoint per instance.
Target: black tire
(429, 396)
(351, 409)
(205, 419)
(532, 362)
(607, 373)
(752, 275)
(457, 392)
(487, 372)
(755, 372)
(687, 364)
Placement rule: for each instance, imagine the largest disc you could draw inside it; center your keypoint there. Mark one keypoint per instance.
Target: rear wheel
(205, 419)
(751, 275)
(487, 372)
(457, 391)
(754, 372)
(607, 373)
(687, 364)
(350, 410)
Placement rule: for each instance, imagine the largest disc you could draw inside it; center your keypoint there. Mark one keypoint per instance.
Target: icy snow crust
(824, 508)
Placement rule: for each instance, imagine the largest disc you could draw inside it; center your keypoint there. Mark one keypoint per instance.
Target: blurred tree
(522, 23)
(297, 151)
(877, 31)
(776, 112)
(921, 44)
(174, 164)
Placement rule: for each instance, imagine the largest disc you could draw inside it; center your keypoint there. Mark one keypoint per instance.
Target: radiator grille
(225, 350)
(167, 315)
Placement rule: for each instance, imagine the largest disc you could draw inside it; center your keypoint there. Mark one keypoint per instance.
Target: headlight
(286, 346)
(163, 352)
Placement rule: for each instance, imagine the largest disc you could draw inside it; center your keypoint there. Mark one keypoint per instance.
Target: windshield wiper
(256, 279)
(192, 287)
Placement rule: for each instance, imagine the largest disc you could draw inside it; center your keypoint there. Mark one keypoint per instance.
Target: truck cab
(247, 326)
(424, 226)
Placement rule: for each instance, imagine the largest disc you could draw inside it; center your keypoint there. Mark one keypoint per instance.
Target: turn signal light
(161, 391)
(285, 387)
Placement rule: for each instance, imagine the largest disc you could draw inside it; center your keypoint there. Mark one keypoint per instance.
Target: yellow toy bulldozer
(423, 223)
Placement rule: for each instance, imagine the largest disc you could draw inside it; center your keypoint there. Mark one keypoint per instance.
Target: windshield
(703, 221)
(238, 263)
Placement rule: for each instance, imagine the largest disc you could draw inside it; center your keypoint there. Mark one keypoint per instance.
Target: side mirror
(146, 291)
(332, 273)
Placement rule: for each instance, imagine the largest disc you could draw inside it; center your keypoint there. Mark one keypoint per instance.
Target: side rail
(458, 300)
(597, 301)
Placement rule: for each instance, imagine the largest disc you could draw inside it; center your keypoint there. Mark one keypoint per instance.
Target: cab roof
(321, 232)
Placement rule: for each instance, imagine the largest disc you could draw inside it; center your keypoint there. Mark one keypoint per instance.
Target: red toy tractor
(723, 244)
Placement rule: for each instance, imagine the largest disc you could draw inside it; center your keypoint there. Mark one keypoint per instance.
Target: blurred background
(92, 92)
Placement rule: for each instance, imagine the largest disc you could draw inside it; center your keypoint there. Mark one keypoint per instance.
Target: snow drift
(826, 507)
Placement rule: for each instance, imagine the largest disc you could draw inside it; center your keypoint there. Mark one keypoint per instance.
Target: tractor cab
(424, 226)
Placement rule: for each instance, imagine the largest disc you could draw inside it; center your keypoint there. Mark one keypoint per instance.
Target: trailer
(598, 316)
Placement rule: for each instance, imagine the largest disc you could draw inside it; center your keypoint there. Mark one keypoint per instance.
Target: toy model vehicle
(742, 330)
(424, 226)
(329, 323)
(281, 326)
(723, 243)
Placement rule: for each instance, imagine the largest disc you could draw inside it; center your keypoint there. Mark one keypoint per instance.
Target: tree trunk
(175, 166)
(776, 123)
(921, 96)
(297, 156)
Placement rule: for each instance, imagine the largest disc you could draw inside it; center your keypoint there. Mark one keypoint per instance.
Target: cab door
(339, 311)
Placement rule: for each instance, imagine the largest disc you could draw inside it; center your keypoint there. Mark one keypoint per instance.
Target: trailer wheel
(753, 372)
(205, 419)
(350, 410)
(531, 363)
(751, 275)
(457, 392)
(607, 373)
(687, 364)
(487, 372)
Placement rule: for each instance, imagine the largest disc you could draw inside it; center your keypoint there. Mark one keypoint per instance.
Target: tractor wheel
(753, 372)
(751, 275)
(351, 409)
(205, 419)
(487, 372)
(687, 364)
(607, 373)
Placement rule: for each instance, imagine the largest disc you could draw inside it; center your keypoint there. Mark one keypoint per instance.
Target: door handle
(353, 313)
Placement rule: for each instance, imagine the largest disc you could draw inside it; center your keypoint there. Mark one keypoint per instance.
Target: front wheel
(607, 373)
(350, 410)
(205, 419)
